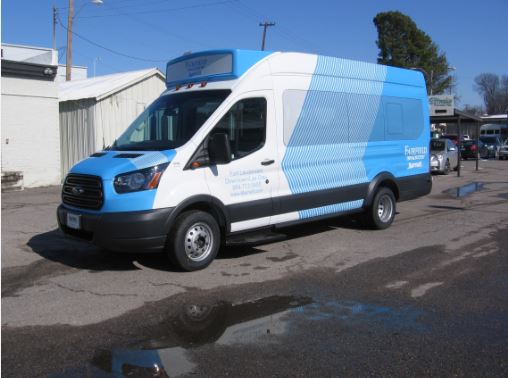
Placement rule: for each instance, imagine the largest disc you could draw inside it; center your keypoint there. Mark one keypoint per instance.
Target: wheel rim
(385, 208)
(198, 241)
(197, 312)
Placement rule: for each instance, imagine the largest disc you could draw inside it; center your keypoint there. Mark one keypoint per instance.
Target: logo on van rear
(77, 190)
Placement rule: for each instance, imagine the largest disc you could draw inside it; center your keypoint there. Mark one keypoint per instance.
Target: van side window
(394, 119)
(245, 125)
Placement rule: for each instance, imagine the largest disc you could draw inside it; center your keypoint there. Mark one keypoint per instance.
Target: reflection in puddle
(167, 347)
(222, 323)
(355, 312)
(463, 191)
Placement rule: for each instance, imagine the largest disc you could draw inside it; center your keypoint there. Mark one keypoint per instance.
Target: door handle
(267, 162)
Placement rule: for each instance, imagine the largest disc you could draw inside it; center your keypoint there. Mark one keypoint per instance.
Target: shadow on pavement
(57, 247)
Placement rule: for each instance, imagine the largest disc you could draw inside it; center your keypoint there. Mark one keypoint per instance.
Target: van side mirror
(219, 149)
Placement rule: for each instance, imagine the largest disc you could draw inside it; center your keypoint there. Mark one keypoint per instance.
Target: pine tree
(402, 44)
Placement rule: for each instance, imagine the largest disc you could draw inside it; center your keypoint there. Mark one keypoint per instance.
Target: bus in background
(492, 129)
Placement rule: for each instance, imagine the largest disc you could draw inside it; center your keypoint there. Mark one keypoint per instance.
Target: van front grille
(83, 191)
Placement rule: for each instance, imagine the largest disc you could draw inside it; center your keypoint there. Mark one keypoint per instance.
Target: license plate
(74, 221)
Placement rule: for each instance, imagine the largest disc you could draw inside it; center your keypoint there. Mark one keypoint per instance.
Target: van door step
(261, 237)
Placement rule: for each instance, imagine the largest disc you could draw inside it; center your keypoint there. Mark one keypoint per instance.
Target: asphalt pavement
(428, 296)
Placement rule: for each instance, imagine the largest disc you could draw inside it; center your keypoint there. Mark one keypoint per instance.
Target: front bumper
(436, 165)
(136, 231)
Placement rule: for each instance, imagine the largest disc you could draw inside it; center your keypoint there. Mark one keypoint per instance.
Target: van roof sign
(211, 66)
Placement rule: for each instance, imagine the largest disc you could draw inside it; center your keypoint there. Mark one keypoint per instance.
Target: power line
(163, 31)
(284, 32)
(161, 10)
(109, 49)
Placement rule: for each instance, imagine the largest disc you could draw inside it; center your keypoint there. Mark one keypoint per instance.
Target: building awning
(455, 117)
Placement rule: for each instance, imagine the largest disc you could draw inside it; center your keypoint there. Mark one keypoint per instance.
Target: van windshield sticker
(200, 66)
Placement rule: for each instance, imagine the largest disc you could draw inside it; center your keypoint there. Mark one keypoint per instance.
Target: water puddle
(196, 325)
(463, 191)
(351, 312)
(166, 350)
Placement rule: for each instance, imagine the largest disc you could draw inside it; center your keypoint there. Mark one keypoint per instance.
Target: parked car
(469, 149)
(493, 144)
(444, 155)
(454, 138)
(503, 151)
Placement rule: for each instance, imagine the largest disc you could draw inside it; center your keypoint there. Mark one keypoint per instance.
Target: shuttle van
(492, 129)
(245, 140)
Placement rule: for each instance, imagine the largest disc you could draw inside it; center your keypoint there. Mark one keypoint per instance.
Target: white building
(94, 112)
(78, 73)
(30, 133)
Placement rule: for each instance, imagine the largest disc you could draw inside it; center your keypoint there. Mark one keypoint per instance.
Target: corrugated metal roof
(103, 86)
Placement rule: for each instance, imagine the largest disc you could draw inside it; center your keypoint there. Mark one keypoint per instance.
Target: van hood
(108, 164)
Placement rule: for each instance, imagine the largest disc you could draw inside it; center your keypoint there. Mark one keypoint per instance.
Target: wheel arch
(206, 203)
(383, 179)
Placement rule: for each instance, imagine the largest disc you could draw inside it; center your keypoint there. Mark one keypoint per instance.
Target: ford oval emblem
(77, 190)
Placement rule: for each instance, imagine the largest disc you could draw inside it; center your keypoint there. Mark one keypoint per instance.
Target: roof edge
(153, 71)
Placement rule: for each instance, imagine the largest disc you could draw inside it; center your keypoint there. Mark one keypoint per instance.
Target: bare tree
(476, 110)
(494, 90)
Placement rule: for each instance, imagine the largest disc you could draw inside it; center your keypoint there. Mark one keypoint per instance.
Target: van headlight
(144, 179)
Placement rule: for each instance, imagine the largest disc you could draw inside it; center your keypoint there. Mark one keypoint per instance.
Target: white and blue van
(243, 140)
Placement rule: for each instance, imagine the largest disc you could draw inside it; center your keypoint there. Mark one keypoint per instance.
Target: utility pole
(68, 60)
(265, 25)
(54, 27)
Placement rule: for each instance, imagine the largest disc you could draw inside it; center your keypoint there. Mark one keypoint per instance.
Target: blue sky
(471, 33)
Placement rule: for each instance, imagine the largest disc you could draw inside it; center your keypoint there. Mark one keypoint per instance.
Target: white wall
(78, 73)
(29, 54)
(30, 134)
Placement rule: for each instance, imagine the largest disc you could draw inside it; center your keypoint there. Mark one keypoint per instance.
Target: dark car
(493, 144)
(454, 138)
(470, 148)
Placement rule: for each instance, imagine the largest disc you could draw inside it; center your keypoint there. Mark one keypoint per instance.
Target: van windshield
(170, 121)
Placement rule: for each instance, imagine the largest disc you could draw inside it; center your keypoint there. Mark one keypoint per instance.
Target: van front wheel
(382, 211)
(194, 240)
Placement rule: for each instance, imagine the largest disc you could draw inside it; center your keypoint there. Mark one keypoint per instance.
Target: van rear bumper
(137, 231)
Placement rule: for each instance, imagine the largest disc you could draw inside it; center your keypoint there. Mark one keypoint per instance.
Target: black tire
(446, 169)
(381, 213)
(194, 240)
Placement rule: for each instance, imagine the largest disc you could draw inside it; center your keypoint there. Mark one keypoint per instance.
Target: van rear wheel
(382, 211)
(194, 241)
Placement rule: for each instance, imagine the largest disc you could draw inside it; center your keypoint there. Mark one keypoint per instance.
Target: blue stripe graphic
(330, 209)
(322, 153)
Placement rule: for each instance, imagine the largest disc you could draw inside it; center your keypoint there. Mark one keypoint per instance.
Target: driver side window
(245, 126)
